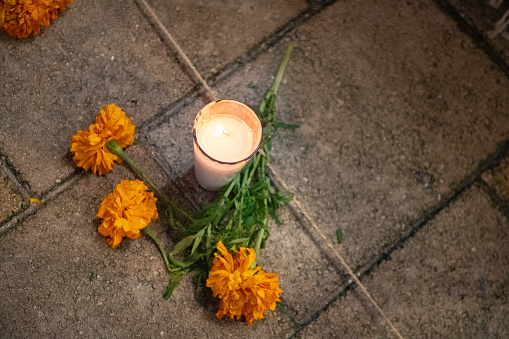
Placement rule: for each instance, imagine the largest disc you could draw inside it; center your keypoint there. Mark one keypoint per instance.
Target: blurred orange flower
(243, 292)
(127, 210)
(20, 18)
(89, 146)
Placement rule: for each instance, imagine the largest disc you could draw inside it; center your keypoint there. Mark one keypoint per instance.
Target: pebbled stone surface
(60, 278)
(449, 281)
(498, 179)
(12, 200)
(384, 118)
(95, 53)
(215, 33)
(483, 15)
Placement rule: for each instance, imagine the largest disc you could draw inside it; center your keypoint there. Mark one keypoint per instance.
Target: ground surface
(403, 143)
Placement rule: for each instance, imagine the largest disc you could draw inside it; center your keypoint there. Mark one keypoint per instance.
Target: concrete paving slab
(375, 149)
(59, 277)
(449, 281)
(96, 53)
(393, 117)
(215, 33)
(498, 179)
(483, 15)
(307, 277)
(385, 115)
(348, 317)
(12, 201)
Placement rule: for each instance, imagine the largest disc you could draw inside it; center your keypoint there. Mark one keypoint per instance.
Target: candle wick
(220, 129)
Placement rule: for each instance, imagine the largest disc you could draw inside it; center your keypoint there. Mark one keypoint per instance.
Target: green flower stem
(261, 231)
(272, 91)
(258, 244)
(156, 240)
(275, 85)
(229, 189)
(114, 148)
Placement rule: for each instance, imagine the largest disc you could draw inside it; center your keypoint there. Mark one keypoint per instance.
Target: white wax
(226, 133)
(226, 138)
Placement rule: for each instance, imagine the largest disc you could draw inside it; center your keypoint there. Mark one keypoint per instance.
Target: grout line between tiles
(476, 35)
(496, 199)
(44, 199)
(473, 179)
(7, 168)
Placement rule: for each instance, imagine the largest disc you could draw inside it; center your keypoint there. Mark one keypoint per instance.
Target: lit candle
(226, 135)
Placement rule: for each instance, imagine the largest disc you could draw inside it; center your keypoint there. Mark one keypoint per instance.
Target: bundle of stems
(237, 218)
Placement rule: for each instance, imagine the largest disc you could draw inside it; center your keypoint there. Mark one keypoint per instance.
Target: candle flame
(220, 131)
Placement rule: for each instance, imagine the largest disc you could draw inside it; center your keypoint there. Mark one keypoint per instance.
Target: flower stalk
(114, 148)
(159, 245)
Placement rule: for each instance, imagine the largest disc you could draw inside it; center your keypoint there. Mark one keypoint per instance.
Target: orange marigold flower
(20, 18)
(127, 210)
(243, 292)
(89, 146)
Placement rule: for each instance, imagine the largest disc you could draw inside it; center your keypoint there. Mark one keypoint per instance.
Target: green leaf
(182, 245)
(283, 125)
(169, 217)
(197, 240)
(238, 217)
(175, 279)
(238, 241)
(179, 264)
(339, 235)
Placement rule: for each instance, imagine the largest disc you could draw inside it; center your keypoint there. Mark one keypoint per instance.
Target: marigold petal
(127, 210)
(243, 291)
(89, 147)
(24, 17)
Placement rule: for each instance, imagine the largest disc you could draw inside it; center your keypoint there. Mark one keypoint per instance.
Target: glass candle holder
(226, 134)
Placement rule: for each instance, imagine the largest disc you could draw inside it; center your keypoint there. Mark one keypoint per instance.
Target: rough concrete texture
(12, 200)
(398, 107)
(349, 317)
(55, 84)
(498, 179)
(216, 33)
(449, 281)
(383, 136)
(381, 140)
(60, 277)
(483, 15)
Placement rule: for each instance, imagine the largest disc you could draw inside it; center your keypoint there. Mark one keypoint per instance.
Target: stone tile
(348, 317)
(483, 16)
(498, 178)
(215, 33)
(386, 103)
(59, 277)
(96, 53)
(307, 278)
(12, 200)
(385, 114)
(449, 281)
(453, 276)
